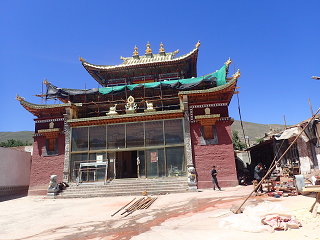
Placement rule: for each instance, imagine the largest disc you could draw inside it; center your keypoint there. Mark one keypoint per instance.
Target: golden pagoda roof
(146, 59)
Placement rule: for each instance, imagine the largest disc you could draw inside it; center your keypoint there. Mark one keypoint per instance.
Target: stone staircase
(125, 187)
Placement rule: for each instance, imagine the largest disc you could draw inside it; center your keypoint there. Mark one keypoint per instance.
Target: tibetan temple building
(152, 118)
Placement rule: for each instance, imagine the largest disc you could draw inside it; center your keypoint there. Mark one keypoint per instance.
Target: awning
(292, 132)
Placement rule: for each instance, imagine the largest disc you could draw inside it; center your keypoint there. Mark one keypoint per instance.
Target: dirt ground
(193, 215)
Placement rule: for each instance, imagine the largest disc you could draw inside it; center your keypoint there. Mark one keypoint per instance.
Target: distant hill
(22, 135)
(254, 130)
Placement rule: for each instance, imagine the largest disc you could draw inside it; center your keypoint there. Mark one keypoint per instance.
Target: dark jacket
(213, 171)
(258, 173)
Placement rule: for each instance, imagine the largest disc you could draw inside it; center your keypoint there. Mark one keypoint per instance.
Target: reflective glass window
(79, 141)
(173, 131)
(116, 136)
(97, 135)
(97, 172)
(155, 162)
(175, 162)
(76, 159)
(135, 135)
(154, 133)
(142, 170)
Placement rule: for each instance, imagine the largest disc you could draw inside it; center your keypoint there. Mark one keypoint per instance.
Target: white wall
(14, 167)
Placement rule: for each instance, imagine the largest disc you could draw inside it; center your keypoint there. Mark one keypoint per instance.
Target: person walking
(214, 178)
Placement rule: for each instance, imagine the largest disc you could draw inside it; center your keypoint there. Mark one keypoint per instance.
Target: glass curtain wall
(159, 146)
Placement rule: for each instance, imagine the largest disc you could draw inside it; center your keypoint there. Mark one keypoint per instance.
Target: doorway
(126, 164)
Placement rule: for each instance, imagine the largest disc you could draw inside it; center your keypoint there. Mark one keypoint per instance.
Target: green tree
(15, 143)
(259, 140)
(237, 144)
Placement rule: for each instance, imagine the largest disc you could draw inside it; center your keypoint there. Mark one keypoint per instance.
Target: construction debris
(142, 203)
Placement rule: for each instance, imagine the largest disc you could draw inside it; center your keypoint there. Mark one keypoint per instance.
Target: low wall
(14, 171)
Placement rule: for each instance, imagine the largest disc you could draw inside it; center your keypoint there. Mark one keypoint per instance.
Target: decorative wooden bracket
(50, 133)
(207, 120)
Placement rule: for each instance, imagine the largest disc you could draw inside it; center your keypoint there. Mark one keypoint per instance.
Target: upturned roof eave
(142, 64)
(229, 85)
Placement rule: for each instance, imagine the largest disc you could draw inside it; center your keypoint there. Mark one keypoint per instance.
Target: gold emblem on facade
(131, 105)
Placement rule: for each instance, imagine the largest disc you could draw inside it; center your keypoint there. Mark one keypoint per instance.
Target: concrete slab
(193, 215)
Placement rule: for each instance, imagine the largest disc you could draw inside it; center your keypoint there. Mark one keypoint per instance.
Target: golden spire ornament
(161, 50)
(135, 53)
(148, 50)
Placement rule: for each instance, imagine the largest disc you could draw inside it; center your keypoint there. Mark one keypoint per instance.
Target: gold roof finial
(19, 98)
(135, 53)
(161, 50)
(148, 50)
(237, 74)
(176, 51)
(81, 59)
(228, 62)
(45, 82)
(198, 44)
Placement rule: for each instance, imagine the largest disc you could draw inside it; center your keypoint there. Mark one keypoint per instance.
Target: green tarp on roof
(183, 84)
(211, 80)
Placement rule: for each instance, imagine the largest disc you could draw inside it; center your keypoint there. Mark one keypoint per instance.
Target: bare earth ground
(193, 215)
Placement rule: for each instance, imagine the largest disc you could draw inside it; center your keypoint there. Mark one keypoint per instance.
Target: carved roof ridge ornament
(148, 50)
(19, 98)
(237, 74)
(135, 53)
(176, 51)
(112, 110)
(81, 59)
(198, 44)
(228, 62)
(46, 82)
(161, 50)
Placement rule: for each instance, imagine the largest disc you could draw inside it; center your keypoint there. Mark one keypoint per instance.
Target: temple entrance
(126, 164)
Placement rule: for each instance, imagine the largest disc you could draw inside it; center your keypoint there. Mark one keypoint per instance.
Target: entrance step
(126, 187)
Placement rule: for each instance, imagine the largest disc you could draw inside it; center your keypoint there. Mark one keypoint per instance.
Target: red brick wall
(42, 167)
(221, 155)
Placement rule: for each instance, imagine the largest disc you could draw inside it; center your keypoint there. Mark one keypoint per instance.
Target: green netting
(190, 80)
(169, 81)
(132, 86)
(220, 75)
(151, 84)
(108, 90)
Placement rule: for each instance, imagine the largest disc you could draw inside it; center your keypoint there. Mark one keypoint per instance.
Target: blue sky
(275, 44)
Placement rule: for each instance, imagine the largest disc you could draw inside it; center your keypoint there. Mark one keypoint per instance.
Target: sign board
(99, 158)
(154, 157)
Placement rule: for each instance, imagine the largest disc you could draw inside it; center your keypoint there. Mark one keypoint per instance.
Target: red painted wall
(42, 167)
(221, 155)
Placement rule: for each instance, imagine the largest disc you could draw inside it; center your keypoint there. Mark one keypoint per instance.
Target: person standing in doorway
(214, 178)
